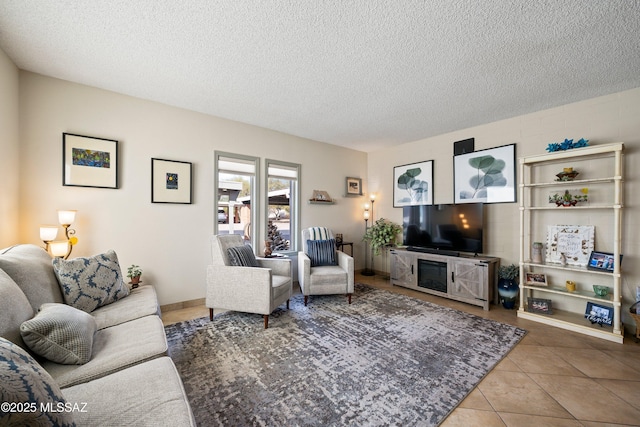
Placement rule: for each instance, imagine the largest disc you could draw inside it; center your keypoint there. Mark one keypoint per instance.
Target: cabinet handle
(453, 278)
(411, 269)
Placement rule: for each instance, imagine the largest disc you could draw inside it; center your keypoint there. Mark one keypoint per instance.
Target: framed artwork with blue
(88, 161)
(170, 181)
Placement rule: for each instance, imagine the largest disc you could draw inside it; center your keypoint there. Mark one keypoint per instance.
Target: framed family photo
(170, 181)
(88, 161)
(487, 176)
(540, 305)
(535, 279)
(413, 184)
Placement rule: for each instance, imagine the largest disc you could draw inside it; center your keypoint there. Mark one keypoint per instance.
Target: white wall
(611, 118)
(170, 242)
(9, 159)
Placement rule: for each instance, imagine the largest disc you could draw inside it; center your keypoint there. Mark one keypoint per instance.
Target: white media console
(466, 278)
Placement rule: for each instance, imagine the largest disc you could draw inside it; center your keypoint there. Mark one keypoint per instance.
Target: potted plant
(134, 272)
(381, 234)
(508, 284)
(568, 199)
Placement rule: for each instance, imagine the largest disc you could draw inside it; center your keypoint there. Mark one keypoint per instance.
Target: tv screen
(451, 228)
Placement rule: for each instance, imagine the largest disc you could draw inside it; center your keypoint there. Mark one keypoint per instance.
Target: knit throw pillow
(242, 256)
(31, 389)
(60, 333)
(321, 252)
(89, 283)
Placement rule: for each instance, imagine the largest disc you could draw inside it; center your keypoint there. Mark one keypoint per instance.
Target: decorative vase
(536, 252)
(267, 248)
(508, 290)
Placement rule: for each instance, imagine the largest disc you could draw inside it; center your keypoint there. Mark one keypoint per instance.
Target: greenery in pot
(509, 272)
(382, 233)
(134, 272)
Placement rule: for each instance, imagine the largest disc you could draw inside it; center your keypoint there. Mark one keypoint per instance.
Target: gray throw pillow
(321, 252)
(26, 383)
(60, 333)
(89, 283)
(242, 256)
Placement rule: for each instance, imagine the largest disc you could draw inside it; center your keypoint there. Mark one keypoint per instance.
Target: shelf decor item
(536, 252)
(567, 199)
(602, 261)
(601, 291)
(535, 279)
(567, 144)
(574, 241)
(508, 285)
(567, 174)
(413, 184)
(321, 196)
(353, 186)
(134, 272)
(540, 305)
(599, 314)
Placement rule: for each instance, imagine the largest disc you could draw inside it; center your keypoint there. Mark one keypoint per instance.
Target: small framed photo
(539, 305)
(599, 314)
(602, 261)
(354, 186)
(170, 181)
(536, 279)
(88, 161)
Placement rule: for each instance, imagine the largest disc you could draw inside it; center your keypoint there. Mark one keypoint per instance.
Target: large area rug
(386, 359)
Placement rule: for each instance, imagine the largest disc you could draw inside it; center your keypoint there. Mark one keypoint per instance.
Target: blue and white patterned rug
(386, 359)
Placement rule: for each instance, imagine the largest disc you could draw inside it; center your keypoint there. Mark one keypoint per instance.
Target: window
(283, 205)
(236, 195)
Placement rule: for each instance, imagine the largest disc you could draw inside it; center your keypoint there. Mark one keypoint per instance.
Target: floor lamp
(368, 271)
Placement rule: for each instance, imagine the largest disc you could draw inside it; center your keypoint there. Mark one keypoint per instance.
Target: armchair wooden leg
(266, 321)
(287, 304)
(349, 296)
(306, 298)
(211, 314)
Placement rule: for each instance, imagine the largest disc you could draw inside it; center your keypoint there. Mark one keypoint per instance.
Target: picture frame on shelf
(413, 184)
(602, 261)
(536, 279)
(599, 314)
(540, 305)
(487, 176)
(88, 161)
(353, 186)
(576, 242)
(171, 181)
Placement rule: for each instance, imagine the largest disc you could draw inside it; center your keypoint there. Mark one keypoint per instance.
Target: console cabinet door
(402, 268)
(467, 279)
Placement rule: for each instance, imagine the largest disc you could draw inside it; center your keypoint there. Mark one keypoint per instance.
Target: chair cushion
(26, 383)
(322, 252)
(60, 333)
(242, 256)
(319, 233)
(89, 283)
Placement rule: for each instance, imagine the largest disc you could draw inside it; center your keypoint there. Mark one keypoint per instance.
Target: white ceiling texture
(363, 74)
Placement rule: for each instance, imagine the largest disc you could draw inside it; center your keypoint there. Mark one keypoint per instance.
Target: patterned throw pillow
(242, 256)
(89, 283)
(60, 333)
(322, 252)
(27, 388)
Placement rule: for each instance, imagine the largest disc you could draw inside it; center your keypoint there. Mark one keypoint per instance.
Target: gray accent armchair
(324, 280)
(247, 289)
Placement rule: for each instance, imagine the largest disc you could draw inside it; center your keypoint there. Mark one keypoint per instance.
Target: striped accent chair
(323, 270)
(238, 281)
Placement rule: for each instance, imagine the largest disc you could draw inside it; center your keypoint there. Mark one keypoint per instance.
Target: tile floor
(552, 377)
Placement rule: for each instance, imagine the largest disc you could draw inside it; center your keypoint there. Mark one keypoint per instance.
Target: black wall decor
(463, 147)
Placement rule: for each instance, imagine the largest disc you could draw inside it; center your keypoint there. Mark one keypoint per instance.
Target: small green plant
(382, 233)
(509, 272)
(568, 199)
(134, 271)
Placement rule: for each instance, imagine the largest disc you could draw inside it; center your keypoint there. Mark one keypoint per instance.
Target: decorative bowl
(601, 291)
(567, 176)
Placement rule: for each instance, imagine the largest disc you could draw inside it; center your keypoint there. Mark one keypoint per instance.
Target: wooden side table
(340, 246)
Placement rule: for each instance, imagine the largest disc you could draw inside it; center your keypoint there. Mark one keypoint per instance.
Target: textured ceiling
(363, 73)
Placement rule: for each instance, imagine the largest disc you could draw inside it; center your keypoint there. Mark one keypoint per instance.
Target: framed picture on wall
(354, 186)
(413, 184)
(487, 176)
(170, 181)
(88, 161)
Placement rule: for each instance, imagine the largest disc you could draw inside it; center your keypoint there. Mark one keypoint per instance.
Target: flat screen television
(447, 229)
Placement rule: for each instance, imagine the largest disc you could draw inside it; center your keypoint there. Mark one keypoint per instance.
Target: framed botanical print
(88, 161)
(170, 181)
(413, 184)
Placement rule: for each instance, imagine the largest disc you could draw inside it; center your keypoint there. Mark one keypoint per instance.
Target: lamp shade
(59, 248)
(366, 214)
(48, 232)
(66, 217)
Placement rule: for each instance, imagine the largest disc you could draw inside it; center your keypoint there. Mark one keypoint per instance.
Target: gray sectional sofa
(128, 378)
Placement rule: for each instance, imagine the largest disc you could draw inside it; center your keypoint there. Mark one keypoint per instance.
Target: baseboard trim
(183, 304)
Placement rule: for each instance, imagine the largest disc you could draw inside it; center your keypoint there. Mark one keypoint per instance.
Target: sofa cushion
(242, 256)
(153, 396)
(14, 309)
(30, 267)
(115, 348)
(25, 383)
(141, 302)
(91, 282)
(60, 333)
(321, 252)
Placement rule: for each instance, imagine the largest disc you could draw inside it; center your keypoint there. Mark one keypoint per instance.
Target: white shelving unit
(602, 167)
